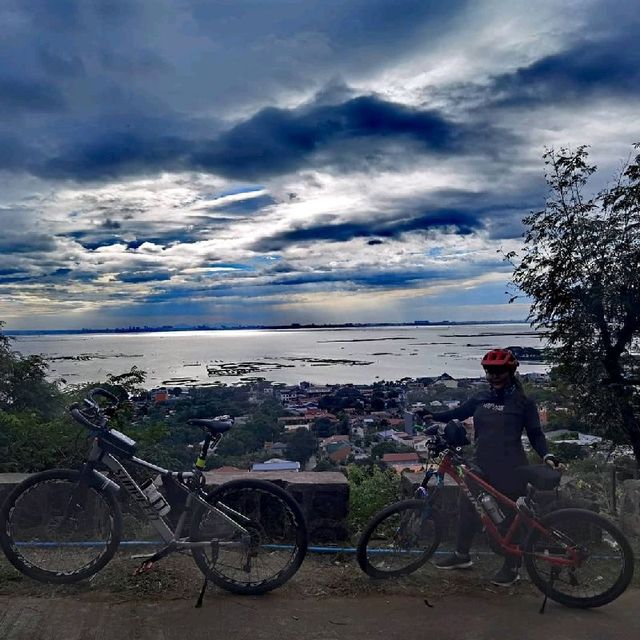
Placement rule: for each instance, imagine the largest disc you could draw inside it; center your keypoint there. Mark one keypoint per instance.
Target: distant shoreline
(289, 327)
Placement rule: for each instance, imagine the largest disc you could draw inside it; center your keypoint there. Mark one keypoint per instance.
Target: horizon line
(227, 327)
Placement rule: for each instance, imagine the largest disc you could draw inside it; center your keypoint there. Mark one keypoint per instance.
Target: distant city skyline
(267, 163)
(295, 325)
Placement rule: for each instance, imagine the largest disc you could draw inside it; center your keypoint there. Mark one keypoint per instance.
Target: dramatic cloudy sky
(276, 161)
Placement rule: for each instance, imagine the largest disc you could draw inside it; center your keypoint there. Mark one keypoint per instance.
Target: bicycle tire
(26, 551)
(606, 543)
(407, 510)
(285, 524)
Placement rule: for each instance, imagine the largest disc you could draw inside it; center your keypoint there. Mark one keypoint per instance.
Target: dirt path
(328, 598)
(459, 617)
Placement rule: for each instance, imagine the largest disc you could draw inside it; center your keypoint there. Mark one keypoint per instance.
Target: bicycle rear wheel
(258, 536)
(53, 529)
(581, 560)
(399, 539)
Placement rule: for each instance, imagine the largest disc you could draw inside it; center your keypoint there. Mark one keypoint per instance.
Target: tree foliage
(370, 489)
(580, 269)
(389, 446)
(301, 445)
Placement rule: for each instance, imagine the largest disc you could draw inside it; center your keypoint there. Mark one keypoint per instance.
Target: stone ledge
(215, 478)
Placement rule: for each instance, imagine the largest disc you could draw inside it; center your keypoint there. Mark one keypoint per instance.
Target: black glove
(551, 460)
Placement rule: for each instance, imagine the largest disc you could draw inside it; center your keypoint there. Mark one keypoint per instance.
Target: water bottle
(155, 497)
(490, 505)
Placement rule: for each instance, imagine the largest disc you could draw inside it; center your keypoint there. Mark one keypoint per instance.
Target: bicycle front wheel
(54, 529)
(399, 539)
(257, 536)
(580, 560)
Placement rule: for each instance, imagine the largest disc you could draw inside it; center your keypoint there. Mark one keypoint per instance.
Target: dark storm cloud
(60, 64)
(13, 153)
(114, 154)
(463, 213)
(606, 67)
(463, 222)
(62, 275)
(103, 64)
(91, 240)
(19, 95)
(12, 242)
(110, 224)
(144, 276)
(273, 142)
(277, 141)
(377, 279)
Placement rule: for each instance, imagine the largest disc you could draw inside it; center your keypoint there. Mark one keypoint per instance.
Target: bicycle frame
(171, 537)
(460, 472)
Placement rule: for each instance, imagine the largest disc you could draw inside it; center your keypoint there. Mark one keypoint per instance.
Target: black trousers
(469, 522)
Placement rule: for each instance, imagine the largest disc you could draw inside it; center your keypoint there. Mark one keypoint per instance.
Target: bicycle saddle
(541, 476)
(214, 425)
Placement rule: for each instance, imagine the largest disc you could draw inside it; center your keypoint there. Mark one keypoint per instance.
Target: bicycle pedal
(140, 556)
(145, 567)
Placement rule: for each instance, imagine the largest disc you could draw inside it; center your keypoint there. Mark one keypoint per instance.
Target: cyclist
(500, 414)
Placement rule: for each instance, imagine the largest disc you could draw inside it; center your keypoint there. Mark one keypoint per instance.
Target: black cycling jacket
(499, 417)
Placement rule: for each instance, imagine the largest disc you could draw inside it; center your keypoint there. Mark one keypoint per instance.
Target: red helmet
(500, 358)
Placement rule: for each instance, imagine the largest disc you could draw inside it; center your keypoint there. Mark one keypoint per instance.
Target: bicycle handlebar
(93, 408)
(107, 395)
(78, 416)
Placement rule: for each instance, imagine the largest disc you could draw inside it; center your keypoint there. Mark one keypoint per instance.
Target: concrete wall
(323, 497)
(630, 507)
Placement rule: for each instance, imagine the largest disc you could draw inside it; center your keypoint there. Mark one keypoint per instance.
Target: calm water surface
(320, 356)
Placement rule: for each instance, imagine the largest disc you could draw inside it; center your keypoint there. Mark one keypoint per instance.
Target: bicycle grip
(78, 416)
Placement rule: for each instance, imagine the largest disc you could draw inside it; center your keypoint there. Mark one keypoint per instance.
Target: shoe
(507, 576)
(455, 561)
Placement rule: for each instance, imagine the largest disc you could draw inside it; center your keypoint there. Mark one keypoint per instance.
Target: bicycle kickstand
(553, 574)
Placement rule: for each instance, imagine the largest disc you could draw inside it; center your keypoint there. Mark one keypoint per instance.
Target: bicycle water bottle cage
(112, 441)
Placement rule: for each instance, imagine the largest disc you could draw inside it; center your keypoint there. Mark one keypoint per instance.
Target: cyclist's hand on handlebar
(553, 462)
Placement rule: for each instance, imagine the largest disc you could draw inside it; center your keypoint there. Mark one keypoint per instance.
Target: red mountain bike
(574, 556)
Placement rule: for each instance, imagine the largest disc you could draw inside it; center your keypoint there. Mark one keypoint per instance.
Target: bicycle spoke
(581, 560)
(60, 532)
(400, 540)
(267, 548)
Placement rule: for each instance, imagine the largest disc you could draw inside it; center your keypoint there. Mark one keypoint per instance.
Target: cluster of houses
(365, 427)
(361, 428)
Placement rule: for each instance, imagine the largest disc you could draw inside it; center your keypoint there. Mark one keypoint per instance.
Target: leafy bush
(370, 489)
(568, 450)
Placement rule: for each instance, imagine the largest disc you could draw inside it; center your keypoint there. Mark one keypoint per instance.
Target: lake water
(320, 356)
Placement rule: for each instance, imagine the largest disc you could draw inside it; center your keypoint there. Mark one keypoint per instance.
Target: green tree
(388, 446)
(580, 270)
(23, 382)
(301, 445)
(324, 427)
